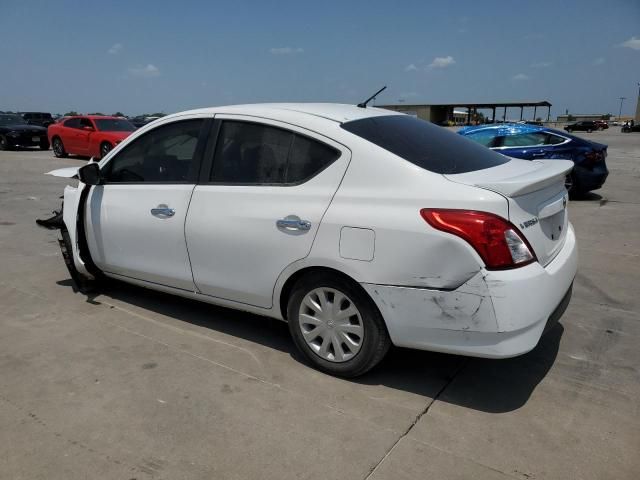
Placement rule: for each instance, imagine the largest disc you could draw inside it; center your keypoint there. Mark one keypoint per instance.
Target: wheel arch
(287, 287)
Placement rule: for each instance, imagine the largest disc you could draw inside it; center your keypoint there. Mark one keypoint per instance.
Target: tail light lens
(498, 242)
(593, 157)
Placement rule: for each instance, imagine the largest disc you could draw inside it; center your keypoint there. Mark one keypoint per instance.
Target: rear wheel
(58, 148)
(336, 326)
(105, 148)
(589, 130)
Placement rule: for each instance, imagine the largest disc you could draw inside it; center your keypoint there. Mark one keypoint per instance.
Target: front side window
(256, 154)
(166, 154)
(424, 144)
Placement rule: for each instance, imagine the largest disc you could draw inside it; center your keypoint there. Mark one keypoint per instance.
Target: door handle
(293, 222)
(538, 154)
(163, 211)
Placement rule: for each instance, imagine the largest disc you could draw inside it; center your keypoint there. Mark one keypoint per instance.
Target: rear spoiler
(517, 177)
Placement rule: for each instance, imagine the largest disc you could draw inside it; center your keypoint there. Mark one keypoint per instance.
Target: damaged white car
(361, 227)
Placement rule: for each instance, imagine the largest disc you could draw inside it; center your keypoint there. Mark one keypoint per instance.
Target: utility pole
(622, 99)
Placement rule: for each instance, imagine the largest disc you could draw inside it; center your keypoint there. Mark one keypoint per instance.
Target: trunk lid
(536, 196)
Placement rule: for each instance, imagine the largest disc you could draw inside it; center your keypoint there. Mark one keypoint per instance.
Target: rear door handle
(539, 154)
(292, 222)
(163, 211)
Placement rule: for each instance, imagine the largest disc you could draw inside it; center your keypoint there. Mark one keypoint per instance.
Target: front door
(135, 220)
(260, 206)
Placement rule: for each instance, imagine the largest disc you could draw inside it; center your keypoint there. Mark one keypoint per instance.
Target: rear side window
(425, 144)
(72, 123)
(485, 137)
(554, 139)
(256, 154)
(524, 139)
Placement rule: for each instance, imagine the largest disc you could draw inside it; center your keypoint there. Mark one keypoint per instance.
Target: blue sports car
(531, 142)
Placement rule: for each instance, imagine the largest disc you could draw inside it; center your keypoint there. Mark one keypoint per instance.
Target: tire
(58, 148)
(105, 148)
(4, 144)
(569, 130)
(589, 130)
(81, 284)
(44, 145)
(329, 352)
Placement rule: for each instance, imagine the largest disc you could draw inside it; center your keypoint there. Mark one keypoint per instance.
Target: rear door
(135, 220)
(259, 205)
(83, 136)
(68, 134)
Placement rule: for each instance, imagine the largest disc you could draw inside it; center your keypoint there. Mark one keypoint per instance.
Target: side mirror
(90, 174)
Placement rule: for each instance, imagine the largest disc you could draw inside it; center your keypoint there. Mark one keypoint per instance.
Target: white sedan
(361, 227)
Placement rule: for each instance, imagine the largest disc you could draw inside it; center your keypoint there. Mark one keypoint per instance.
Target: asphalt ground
(134, 384)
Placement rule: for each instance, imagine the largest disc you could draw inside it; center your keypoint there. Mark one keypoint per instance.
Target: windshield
(424, 144)
(114, 125)
(11, 120)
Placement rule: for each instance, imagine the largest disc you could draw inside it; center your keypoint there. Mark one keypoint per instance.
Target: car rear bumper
(587, 180)
(496, 314)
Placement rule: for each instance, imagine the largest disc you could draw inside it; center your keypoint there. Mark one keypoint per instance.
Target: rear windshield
(425, 144)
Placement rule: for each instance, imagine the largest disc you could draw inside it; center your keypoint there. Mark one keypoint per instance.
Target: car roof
(94, 117)
(505, 129)
(335, 112)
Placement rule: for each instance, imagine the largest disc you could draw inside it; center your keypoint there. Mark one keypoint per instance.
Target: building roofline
(543, 103)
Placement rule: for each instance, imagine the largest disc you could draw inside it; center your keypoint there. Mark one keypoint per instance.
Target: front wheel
(105, 148)
(58, 148)
(336, 326)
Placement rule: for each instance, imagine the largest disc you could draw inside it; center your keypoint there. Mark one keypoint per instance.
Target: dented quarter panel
(412, 312)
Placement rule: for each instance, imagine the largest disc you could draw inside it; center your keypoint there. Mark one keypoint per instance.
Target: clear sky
(146, 56)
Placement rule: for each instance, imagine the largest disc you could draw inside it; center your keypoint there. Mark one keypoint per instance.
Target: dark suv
(38, 118)
(585, 126)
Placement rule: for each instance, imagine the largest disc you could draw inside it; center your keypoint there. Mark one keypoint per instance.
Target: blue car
(531, 142)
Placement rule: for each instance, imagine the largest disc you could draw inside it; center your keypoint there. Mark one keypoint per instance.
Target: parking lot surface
(131, 383)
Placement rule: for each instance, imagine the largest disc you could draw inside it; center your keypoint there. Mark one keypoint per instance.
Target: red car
(88, 135)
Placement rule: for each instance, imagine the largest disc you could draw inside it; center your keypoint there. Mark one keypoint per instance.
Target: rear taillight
(593, 157)
(497, 241)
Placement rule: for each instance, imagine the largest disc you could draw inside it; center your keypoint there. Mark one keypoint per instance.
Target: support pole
(548, 113)
(493, 118)
(521, 111)
(504, 115)
(534, 112)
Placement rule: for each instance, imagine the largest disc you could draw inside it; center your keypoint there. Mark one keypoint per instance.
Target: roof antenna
(364, 104)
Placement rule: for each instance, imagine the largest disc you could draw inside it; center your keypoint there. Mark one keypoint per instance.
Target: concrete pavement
(137, 384)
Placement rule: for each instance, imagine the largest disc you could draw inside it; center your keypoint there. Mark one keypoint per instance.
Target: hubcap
(57, 146)
(331, 324)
